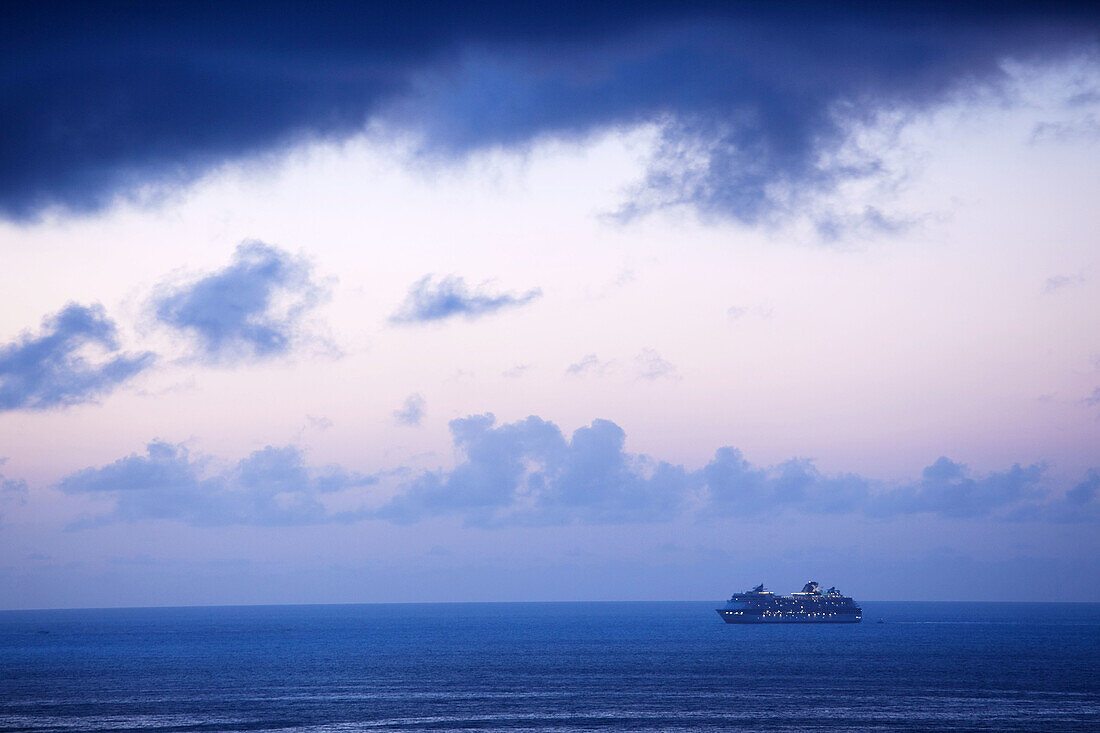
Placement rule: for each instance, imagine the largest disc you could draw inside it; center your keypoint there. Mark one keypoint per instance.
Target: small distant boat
(811, 606)
(881, 621)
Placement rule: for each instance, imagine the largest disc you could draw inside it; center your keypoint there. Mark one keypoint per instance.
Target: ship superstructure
(809, 606)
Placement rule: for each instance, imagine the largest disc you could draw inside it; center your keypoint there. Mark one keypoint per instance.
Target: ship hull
(810, 606)
(733, 618)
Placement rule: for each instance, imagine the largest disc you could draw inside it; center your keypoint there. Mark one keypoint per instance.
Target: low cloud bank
(12, 491)
(273, 486)
(529, 473)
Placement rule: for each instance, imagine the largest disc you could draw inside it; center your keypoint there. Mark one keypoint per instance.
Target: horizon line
(477, 603)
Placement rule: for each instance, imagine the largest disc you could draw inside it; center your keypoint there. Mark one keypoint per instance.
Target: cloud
(1086, 492)
(103, 101)
(871, 222)
(53, 368)
(757, 110)
(527, 472)
(738, 312)
(1092, 400)
(436, 301)
(735, 487)
(251, 309)
(1080, 504)
(588, 364)
(318, 423)
(1084, 128)
(516, 371)
(272, 486)
(947, 489)
(12, 491)
(651, 366)
(411, 412)
(1058, 282)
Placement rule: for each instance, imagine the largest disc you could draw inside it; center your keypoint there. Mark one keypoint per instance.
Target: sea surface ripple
(549, 667)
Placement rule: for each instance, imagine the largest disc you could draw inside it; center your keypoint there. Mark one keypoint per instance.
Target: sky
(564, 301)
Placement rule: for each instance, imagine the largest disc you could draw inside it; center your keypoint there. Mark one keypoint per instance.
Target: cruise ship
(810, 606)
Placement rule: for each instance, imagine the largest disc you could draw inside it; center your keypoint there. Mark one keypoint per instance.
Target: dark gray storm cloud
(273, 486)
(103, 100)
(529, 473)
(252, 309)
(53, 368)
(429, 300)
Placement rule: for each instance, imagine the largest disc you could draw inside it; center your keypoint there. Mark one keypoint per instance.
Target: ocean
(549, 667)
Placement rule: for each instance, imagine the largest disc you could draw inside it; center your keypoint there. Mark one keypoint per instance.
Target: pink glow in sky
(510, 363)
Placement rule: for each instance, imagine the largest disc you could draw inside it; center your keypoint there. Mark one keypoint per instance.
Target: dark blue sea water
(553, 667)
